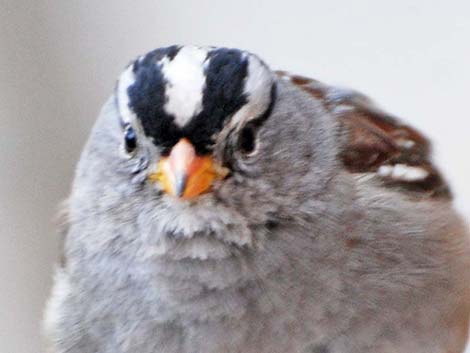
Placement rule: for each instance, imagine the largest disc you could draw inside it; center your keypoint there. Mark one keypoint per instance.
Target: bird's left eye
(130, 139)
(247, 140)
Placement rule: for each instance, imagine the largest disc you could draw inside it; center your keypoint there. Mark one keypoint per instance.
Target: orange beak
(185, 174)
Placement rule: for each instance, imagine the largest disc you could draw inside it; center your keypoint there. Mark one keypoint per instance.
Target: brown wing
(377, 142)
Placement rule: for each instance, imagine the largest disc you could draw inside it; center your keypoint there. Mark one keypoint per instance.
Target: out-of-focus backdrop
(59, 61)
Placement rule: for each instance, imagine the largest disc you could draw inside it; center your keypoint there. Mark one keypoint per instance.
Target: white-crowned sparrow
(219, 206)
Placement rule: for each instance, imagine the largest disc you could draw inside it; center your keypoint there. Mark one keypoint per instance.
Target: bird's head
(202, 133)
(181, 98)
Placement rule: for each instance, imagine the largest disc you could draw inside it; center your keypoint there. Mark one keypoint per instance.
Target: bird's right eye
(130, 139)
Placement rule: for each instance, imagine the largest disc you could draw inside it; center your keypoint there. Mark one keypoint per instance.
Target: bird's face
(183, 99)
(213, 133)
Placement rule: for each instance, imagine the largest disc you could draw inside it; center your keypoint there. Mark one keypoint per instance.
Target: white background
(59, 61)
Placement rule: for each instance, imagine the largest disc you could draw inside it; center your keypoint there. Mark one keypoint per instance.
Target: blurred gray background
(59, 61)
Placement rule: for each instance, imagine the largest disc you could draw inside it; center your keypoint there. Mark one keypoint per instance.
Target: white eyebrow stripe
(126, 79)
(257, 88)
(185, 83)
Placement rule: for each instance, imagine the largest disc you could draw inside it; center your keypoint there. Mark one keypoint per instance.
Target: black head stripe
(151, 58)
(147, 98)
(225, 72)
(223, 96)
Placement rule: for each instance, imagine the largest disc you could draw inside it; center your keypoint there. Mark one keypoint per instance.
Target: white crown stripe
(185, 83)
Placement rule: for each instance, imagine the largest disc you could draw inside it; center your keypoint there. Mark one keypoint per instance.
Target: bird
(220, 206)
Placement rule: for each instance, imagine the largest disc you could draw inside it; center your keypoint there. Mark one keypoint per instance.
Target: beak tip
(180, 185)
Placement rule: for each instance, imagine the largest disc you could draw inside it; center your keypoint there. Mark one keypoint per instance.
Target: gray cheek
(138, 169)
(135, 168)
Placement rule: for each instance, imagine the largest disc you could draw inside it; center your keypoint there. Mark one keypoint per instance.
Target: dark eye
(130, 139)
(247, 140)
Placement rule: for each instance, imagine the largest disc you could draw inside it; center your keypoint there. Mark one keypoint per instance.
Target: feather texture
(377, 142)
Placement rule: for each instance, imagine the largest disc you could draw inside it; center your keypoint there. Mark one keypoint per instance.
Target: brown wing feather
(377, 142)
